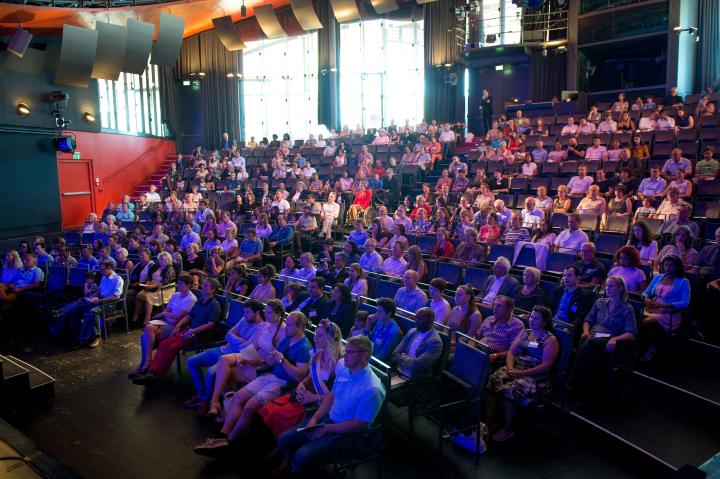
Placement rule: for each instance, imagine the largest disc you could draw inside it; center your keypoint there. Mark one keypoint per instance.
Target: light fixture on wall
(88, 118)
(22, 109)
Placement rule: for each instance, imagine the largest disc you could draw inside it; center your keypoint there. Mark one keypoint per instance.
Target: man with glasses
(352, 405)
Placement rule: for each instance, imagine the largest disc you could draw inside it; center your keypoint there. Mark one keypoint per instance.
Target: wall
(512, 82)
(30, 195)
(120, 162)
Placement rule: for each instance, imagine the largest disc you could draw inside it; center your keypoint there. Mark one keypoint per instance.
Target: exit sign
(76, 155)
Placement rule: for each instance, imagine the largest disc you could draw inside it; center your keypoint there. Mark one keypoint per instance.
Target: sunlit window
(132, 103)
(280, 87)
(500, 18)
(381, 72)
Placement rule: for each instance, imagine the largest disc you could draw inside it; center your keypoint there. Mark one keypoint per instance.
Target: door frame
(89, 165)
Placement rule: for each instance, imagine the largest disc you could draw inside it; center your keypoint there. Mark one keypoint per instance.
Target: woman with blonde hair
(151, 295)
(416, 263)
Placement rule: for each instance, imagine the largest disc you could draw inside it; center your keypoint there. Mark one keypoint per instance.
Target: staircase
(22, 383)
(156, 178)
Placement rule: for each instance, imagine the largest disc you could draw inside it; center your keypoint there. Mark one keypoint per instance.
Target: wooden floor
(103, 426)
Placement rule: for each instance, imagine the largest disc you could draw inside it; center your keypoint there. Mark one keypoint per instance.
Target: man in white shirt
(586, 127)
(447, 139)
(382, 138)
(570, 128)
(648, 123)
(608, 125)
(580, 184)
(238, 160)
(539, 153)
(571, 239)
(282, 204)
(395, 265)
(531, 216)
(371, 261)
(593, 203)
(675, 163)
(596, 151)
(153, 196)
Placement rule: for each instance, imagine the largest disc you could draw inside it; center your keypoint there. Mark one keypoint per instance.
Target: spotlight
(66, 144)
(88, 118)
(239, 75)
(22, 109)
(498, 68)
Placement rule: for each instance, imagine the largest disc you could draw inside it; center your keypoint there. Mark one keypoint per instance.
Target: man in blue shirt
(87, 260)
(383, 330)
(251, 247)
(44, 259)
(352, 405)
(282, 234)
(27, 282)
(290, 362)
(571, 304)
(410, 297)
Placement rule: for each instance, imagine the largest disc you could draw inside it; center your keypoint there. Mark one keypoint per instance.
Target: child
(360, 321)
(292, 291)
(90, 290)
(650, 103)
(646, 210)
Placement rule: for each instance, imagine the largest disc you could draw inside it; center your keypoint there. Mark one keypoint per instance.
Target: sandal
(214, 409)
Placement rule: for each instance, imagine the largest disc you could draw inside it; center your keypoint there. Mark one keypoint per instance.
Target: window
(280, 86)
(381, 72)
(500, 18)
(132, 103)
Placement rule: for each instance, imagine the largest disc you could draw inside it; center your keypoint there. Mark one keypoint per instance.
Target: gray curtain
(440, 48)
(168, 99)
(328, 58)
(547, 74)
(204, 53)
(708, 59)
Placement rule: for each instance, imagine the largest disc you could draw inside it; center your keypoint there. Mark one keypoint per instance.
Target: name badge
(533, 344)
(602, 335)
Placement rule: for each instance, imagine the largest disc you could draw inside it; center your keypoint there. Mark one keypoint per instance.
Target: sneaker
(202, 410)
(193, 402)
(212, 447)
(95, 342)
(146, 379)
(468, 442)
(649, 355)
(503, 435)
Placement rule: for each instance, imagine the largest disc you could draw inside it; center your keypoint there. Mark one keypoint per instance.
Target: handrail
(138, 159)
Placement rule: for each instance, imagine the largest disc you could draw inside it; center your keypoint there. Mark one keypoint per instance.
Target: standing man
(486, 109)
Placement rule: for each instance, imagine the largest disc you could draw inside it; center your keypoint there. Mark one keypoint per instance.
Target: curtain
(168, 99)
(548, 75)
(328, 81)
(440, 49)
(708, 59)
(205, 53)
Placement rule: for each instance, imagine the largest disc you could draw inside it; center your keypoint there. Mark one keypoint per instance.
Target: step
(42, 385)
(667, 423)
(15, 379)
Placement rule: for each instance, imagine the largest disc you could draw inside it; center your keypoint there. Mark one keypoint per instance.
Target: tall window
(500, 18)
(132, 103)
(381, 72)
(280, 86)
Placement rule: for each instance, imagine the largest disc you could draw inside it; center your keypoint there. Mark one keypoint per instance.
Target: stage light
(22, 109)
(498, 68)
(66, 144)
(88, 118)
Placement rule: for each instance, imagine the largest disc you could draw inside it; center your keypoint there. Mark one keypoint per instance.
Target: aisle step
(42, 385)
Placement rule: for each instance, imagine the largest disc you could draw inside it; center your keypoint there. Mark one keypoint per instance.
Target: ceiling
(198, 15)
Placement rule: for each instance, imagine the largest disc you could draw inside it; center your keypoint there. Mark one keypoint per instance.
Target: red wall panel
(120, 162)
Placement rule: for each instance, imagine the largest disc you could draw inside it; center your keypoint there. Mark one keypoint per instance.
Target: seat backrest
(557, 262)
(471, 365)
(450, 272)
(564, 334)
(498, 250)
(77, 276)
(386, 289)
(476, 277)
(236, 312)
(56, 278)
(608, 243)
(426, 243)
(526, 256)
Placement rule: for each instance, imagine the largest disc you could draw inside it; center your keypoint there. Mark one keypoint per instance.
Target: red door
(76, 187)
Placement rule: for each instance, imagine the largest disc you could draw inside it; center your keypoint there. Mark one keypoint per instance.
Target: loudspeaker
(19, 42)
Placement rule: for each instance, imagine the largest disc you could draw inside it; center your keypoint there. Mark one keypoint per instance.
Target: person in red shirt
(421, 203)
(378, 168)
(362, 201)
(443, 247)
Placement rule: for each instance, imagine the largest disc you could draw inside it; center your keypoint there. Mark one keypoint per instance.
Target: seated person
(665, 296)
(531, 216)
(363, 199)
(592, 271)
(396, 264)
(531, 294)
(671, 225)
(440, 306)
(82, 319)
(150, 295)
(410, 297)
(243, 335)
(707, 168)
(383, 330)
(680, 246)
(264, 290)
(515, 232)
(25, 280)
(580, 184)
(499, 283)
(312, 307)
(527, 370)
(289, 410)
(611, 320)
(469, 250)
(352, 405)
(307, 269)
(164, 324)
(282, 234)
(341, 309)
(627, 266)
(571, 239)
(570, 303)
(290, 365)
(419, 349)
(652, 187)
(593, 203)
(338, 273)
(202, 318)
(371, 261)
(498, 331)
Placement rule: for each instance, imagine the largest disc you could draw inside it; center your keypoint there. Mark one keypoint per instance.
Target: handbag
(282, 413)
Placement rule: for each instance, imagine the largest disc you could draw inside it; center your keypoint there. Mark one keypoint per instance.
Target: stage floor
(103, 426)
